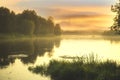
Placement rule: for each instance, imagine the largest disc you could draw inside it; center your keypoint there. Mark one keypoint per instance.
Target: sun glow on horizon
(85, 18)
(85, 15)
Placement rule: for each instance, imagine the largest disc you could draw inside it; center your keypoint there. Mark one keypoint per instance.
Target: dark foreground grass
(79, 69)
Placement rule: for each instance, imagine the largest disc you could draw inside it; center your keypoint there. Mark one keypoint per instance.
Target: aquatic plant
(81, 68)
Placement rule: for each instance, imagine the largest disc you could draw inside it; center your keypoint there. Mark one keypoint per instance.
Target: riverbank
(20, 36)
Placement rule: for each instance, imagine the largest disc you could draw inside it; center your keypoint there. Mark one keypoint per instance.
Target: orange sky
(71, 14)
(84, 18)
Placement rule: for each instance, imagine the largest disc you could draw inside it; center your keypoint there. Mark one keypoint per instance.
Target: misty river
(17, 55)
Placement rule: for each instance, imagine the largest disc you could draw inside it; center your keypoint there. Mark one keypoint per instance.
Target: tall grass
(81, 68)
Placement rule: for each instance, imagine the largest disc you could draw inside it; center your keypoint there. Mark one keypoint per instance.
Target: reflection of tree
(42, 46)
(4, 62)
(14, 48)
(57, 42)
(30, 48)
(29, 59)
(113, 39)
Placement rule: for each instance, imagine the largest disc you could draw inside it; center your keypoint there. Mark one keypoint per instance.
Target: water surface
(17, 55)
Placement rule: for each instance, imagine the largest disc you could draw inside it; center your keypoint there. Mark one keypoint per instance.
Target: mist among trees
(26, 23)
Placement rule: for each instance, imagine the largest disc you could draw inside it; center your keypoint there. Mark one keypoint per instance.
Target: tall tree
(57, 29)
(50, 25)
(4, 19)
(116, 25)
(27, 23)
(27, 27)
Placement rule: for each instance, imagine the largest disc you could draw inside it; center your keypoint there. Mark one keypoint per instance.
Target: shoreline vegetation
(80, 68)
(27, 23)
(19, 37)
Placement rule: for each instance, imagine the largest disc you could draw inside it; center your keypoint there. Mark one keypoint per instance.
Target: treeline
(26, 23)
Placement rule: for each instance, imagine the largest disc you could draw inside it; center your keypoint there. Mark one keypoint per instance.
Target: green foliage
(27, 27)
(116, 26)
(80, 69)
(6, 20)
(26, 23)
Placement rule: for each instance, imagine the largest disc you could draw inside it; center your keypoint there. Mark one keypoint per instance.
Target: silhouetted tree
(27, 27)
(116, 8)
(50, 25)
(57, 29)
(12, 23)
(6, 20)
(27, 23)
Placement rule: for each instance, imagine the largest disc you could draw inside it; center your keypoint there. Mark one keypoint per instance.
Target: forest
(26, 23)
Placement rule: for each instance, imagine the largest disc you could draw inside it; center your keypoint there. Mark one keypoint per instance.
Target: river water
(17, 55)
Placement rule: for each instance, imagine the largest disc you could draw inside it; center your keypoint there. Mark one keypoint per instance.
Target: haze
(71, 14)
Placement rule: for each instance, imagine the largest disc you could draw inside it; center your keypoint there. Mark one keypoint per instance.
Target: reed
(81, 68)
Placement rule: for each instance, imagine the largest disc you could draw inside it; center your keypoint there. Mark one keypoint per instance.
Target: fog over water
(17, 56)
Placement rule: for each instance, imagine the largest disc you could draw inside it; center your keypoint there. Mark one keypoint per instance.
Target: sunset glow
(72, 15)
(85, 18)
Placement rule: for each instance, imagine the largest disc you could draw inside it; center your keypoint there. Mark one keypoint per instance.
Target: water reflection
(112, 39)
(16, 56)
(26, 50)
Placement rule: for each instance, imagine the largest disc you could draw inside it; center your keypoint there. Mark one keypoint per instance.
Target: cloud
(83, 18)
(81, 15)
(10, 2)
(36, 3)
(63, 12)
(98, 22)
(71, 14)
(82, 26)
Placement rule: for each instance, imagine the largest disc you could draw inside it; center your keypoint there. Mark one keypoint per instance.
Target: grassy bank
(79, 69)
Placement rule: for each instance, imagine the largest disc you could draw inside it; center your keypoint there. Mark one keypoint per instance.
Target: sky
(70, 14)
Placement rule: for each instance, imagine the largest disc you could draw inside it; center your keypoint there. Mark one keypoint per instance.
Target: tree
(116, 25)
(50, 25)
(27, 23)
(27, 27)
(7, 20)
(12, 23)
(4, 19)
(24, 20)
(42, 28)
(29, 14)
(57, 29)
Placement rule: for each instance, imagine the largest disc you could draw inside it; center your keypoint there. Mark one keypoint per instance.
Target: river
(17, 55)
